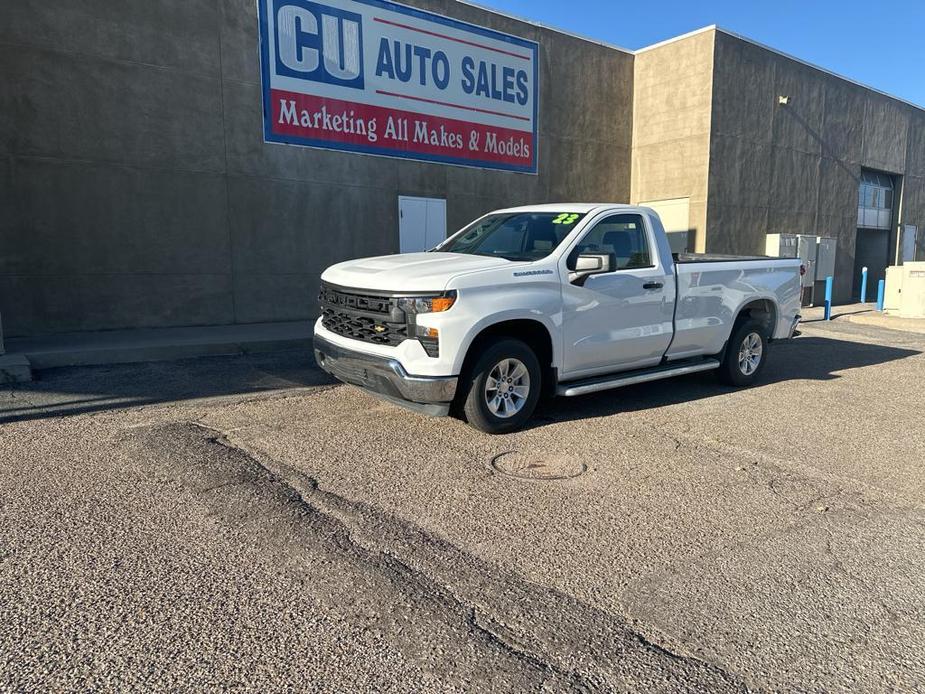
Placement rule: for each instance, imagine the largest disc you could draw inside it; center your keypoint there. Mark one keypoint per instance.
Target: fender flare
(738, 314)
(503, 317)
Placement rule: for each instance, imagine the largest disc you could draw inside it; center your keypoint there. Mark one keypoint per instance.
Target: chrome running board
(629, 378)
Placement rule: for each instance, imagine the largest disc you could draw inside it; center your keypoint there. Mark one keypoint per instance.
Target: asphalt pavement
(244, 522)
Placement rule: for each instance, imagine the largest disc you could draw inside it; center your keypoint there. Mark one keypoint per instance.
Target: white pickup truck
(561, 299)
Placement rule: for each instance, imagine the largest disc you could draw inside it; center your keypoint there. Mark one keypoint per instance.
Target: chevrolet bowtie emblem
(379, 328)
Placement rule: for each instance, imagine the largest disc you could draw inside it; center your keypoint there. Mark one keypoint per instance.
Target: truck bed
(712, 288)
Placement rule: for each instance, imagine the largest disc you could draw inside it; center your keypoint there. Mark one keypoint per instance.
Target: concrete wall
(795, 168)
(671, 129)
(136, 190)
(913, 194)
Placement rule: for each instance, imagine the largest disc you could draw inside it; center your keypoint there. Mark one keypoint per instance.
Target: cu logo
(319, 43)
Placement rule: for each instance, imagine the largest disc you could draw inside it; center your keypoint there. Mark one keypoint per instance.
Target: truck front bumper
(386, 378)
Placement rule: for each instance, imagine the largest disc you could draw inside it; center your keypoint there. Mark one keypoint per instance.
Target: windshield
(516, 236)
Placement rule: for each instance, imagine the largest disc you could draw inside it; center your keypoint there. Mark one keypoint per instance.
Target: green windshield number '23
(565, 218)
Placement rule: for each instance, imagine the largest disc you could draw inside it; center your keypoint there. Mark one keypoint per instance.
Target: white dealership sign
(376, 77)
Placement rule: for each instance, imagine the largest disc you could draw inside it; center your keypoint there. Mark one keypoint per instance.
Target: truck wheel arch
(764, 310)
(532, 332)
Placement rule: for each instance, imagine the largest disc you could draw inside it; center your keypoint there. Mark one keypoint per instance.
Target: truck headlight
(427, 304)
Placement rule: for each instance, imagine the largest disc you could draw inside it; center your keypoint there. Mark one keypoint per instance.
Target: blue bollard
(864, 285)
(828, 298)
(881, 291)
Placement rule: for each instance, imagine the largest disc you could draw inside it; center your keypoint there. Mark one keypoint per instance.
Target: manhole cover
(531, 467)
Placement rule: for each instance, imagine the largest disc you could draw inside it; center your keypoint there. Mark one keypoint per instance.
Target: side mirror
(587, 265)
(591, 263)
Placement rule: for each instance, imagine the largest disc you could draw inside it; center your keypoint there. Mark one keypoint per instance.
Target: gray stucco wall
(795, 168)
(136, 189)
(671, 132)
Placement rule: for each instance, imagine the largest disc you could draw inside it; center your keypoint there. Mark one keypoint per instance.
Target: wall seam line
(221, 88)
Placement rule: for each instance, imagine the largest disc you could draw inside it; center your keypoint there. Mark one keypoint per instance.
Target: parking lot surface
(245, 522)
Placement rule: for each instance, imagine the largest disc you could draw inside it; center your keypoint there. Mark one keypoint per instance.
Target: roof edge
(808, 64)
(673, 39)
(689, 34)
(539, 25)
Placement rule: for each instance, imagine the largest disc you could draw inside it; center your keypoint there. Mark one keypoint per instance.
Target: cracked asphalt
(245, 523)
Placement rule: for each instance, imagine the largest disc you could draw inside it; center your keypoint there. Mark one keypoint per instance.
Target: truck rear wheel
(746, 354)
(504, 386)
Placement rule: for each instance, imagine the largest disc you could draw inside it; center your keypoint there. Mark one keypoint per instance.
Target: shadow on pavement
(836, 316)
(70, 391)
(87, 389)
(804, 358)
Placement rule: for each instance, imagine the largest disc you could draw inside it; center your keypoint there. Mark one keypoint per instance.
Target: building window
(875, 200)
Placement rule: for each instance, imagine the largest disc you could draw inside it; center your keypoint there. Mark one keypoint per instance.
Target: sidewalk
(865, 314)
(23, 355)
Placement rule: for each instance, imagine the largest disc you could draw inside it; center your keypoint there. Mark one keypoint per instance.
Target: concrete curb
(15, 368)
(132, 346)
(142, 353)
(909, 325)
(866, 314)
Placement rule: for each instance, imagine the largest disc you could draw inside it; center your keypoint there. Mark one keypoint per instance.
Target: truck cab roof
(580, 207)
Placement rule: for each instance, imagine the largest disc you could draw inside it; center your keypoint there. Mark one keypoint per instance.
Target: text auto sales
(405, 62)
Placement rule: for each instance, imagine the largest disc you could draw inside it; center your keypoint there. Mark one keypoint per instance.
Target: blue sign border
(274, 138)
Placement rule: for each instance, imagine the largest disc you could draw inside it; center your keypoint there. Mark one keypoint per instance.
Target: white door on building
(421, 223)
(910, 236)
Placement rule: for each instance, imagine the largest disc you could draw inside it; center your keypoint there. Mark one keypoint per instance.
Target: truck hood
(409, 272)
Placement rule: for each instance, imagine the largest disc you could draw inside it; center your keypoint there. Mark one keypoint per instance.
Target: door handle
(653, 285)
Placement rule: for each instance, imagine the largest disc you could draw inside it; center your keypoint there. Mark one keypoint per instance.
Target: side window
(623, 237)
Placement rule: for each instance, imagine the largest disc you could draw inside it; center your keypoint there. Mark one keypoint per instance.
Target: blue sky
(878, 44)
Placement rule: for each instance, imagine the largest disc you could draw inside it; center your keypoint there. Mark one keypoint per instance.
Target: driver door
(620, 319)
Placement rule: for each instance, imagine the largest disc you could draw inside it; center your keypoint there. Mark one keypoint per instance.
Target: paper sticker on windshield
(565, 218)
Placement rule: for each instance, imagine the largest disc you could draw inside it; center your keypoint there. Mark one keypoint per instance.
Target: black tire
(516, 406)
(736, 371)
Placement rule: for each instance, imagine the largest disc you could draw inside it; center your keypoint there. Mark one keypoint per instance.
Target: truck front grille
(365, 317)
(363, 327)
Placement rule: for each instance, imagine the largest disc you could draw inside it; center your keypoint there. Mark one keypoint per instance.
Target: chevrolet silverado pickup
(561, 299)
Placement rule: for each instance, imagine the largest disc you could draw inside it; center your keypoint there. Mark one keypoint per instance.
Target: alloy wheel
(507, 388)
(750, 354)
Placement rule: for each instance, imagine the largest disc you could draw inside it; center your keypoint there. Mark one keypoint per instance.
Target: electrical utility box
(892, 295)
(912, 299)
(816, 253)
(806, 252)
(781, 245)
(825, 264)
(825, 257)
(905, 290)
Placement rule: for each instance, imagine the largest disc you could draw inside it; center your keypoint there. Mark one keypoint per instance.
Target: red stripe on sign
(450, 38)
(308, 117)
(447, 103)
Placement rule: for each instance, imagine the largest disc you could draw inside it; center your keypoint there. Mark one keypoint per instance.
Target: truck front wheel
(745, 355)
(504, 386)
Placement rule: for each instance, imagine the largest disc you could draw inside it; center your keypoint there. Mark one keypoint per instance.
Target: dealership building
(200, 163)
